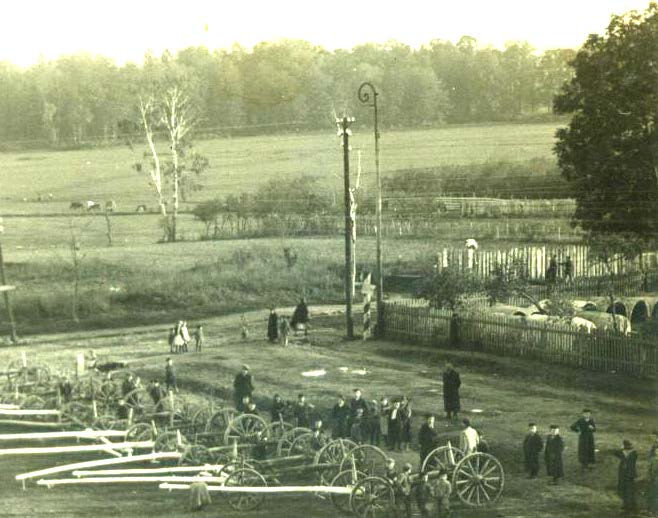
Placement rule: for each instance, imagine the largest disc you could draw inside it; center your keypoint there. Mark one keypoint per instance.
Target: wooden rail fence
(415, 321)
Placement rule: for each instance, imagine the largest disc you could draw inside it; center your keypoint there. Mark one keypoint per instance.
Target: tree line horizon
(82, 99)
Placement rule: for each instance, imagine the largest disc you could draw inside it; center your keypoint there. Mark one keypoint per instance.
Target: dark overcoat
(451, 384)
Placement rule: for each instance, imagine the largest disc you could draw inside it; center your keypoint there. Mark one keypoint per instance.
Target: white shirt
(469, 440)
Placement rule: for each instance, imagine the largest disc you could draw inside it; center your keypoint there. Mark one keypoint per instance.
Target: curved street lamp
(368, 95)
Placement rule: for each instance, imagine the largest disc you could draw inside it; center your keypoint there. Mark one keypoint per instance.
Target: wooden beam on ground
(76, 449)
(271, 490)
(127, 480)
(147, 471)
(8, 406)
(82, 434)
(6, 287)
(25, 411)
(36, 424)
(96, 463)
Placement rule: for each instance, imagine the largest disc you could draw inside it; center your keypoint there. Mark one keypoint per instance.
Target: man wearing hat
(243, 385)
(585, 428)
(427, 437)
(443, 490)
(532, 447)
(451, 384)
(627, 474)
(553, 454)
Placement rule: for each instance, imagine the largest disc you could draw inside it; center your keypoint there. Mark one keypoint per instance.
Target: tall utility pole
(5, 292)
(345, 132)
(368, 95)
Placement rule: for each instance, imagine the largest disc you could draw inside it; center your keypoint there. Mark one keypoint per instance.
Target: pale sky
(125, 30)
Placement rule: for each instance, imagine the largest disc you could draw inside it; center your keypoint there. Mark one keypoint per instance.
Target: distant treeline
(290, 84)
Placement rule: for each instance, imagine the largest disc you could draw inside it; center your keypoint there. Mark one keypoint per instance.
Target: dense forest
(289, 84)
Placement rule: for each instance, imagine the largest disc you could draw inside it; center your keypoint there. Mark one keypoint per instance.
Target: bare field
(519, 390)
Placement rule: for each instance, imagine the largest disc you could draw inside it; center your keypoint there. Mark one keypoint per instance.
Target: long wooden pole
(336, 490)
(147, 471)
(76, 449)
(85, 434)
(95, 463)
(126, 480)
(349, 281)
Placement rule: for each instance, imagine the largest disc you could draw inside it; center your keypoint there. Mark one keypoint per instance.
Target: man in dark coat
(532, 447)
(394, 426)
(358, 403)
(273, 326)
(340, 415)
(427, 437)
(300, 316)
(585, 428)
(627, 475)
(301, 412)
(451, 384)
(243, 385)
(553, 454)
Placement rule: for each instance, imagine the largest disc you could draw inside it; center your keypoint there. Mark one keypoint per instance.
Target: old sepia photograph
(311, 259)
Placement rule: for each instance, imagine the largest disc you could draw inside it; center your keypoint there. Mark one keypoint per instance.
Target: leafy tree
(451, 288)
(209, 213)
(609, 151)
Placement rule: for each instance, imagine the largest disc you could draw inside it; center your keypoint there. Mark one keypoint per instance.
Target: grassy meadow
(242, 164)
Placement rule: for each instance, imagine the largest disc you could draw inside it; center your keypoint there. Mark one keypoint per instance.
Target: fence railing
(508, 336)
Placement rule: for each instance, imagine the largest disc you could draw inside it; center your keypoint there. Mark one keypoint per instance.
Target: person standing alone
(585, 428)
(627, 474)
(532, 447)
(451, 384)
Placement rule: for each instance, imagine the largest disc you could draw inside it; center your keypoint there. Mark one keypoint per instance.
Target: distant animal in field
(76, 205)
(92, 205)
(110, 206)
(141, 208)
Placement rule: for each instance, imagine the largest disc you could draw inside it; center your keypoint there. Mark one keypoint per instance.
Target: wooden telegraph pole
(345, 132)
(5, 291)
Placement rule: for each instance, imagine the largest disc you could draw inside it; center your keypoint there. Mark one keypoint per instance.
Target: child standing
(284, 330)
(198, 338)
(553, 454)
(170, 376)
(443, 491)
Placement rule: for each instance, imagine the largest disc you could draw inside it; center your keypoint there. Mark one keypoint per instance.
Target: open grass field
(243, 164)
(511, 392)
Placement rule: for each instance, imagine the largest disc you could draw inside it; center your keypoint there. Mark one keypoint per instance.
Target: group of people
(553, 447)
(554, 267)
(279, 327)
(179, 338)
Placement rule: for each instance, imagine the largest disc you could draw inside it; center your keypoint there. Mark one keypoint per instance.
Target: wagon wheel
(347, 478)
(108, 422)
(443, 457)
(284, 444)
(201, 417)
(372, 496)
(232, 466)
(33, 402)
(366, 458)
(87, 388)
(78, 413)
(277, 429)
(137, 399)
(196, 455)
(245, 428)
(332, 453)
(108, 394)
(168, 441)
(219, 421)
(246, 477)
(478, 479)
(302, 445)
(140, 432)
(28, 374)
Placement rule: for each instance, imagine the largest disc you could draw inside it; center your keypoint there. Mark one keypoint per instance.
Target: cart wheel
(372, 496)
(284, 444)
(138, 399)
(367, 458)
(332, 453)
(233, 466)
(245, 428)
(245, 477)
(443, 457)
(87, 388)
(219, 421)
(478, 479)
(168, 441)
(201, 417)
(108, 422)
(347, 478)
(108, 394)
(140, 432)
(302, 445)
(277, 429)
(196, 455)
(77, 413)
